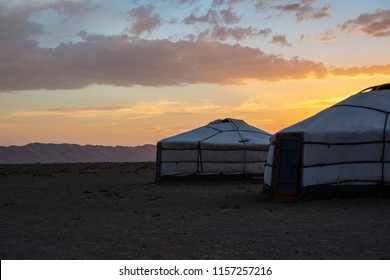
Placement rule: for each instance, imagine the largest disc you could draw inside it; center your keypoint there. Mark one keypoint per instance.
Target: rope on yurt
(199, 161)
(383, 141)
(359, 106)
(384, 149)
(243, 141)
(158, 162)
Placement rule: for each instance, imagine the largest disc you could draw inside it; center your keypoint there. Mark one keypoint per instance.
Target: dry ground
(105, 211)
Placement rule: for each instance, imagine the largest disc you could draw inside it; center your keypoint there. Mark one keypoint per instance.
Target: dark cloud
(305, 11)
(229, 16)
(219, 25)
(214, 17)
(16, 24)
(69, 8)
(143, 19)
(218, 2)
(281, 40)
(222, 33)
(234, 2)
(211, 17)
(126, 61)
(185, 2)
(263, 4)
(375, 24)
(120, 61)
(289, 7)
(228, 2)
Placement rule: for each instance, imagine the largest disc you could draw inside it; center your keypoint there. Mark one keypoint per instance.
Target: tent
(345, 147)
(223, 147)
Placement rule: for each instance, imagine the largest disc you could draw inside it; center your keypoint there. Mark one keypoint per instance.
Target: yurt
(223, 147)
(344, 148)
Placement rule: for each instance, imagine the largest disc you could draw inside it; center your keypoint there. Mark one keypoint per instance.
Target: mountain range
(73, 153)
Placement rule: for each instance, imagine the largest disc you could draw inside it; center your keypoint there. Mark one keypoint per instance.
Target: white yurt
(223, 147)
(345, 147)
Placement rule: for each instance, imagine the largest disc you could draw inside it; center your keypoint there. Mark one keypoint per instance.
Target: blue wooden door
(286, 175)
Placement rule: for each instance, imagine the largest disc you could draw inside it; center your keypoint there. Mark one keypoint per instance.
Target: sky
(130, 73)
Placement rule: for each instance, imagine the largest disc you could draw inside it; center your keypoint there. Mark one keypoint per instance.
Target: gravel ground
(115, 211)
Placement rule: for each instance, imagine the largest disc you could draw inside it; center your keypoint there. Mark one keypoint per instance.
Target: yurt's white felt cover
(226, 146)
(348, 142)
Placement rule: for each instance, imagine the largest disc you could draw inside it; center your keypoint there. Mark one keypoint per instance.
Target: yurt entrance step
(286, 172)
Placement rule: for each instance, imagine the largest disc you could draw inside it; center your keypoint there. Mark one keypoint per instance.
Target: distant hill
(72, 153)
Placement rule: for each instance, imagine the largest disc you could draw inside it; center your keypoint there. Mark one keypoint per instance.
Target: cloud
(222, 33)
(376, 24)
(15, 26)
(304, 11)
(327, 36)
(280, 39)
(136, 110)
(211, 17)
(229, 16)
(184, 2)
(70, 112)
(371, 70)
(214, 17)
(121, 61)
(218, 2)
(69, 8)
(143, 20)
(150, 128)
(218, 25)
(314, 103)
(15, 23)
(249, 106)
(228, 2)
(263, 4)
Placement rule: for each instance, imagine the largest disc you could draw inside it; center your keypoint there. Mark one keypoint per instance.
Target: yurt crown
(378, 87)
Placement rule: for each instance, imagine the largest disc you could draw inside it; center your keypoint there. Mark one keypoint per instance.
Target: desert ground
(116, 211)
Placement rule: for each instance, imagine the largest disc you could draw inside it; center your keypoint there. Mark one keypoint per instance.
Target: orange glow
(268, 106)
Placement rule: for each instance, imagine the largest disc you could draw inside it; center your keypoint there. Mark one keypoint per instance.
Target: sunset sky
(133, 72)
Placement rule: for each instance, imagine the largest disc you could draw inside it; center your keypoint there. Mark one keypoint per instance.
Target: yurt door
(286, 173)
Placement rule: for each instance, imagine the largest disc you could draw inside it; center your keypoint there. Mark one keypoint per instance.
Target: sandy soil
(110, 212)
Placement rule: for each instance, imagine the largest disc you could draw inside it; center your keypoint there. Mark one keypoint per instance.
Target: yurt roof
(363, 115)
(220, 132)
